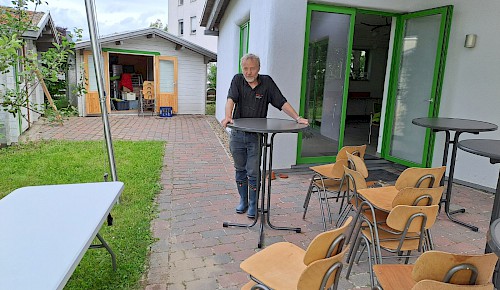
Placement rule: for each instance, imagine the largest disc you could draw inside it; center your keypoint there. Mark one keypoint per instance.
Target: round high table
(458, 126)
(490, 149)
(263, 127)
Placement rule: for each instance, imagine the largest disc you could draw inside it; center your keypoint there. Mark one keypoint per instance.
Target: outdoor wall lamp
(470, 40)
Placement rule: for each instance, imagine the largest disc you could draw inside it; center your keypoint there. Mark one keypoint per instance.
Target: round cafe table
(265, 127)
(458, 126)
(490, 149)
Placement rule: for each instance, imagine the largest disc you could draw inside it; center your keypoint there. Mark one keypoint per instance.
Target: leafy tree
(30, 66)
(158, 24)
(212, 76)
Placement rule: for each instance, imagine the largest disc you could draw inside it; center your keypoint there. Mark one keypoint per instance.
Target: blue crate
(166, 112)
(121, 105)
(133, 105)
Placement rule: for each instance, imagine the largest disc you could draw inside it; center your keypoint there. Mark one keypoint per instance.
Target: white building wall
(470, 87)
(189, 9)
(191, 70)
(270, 32)
(237, 13)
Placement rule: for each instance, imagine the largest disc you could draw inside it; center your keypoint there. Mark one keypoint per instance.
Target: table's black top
(483, 147)
(455, 124)
(493, 237)
(266, 125)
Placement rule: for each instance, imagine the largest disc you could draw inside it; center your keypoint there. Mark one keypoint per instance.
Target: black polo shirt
(253, 103)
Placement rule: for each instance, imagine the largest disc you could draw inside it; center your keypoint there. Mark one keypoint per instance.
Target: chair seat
(394, 276)
(283, 273)
(325, 170)
(380, 197)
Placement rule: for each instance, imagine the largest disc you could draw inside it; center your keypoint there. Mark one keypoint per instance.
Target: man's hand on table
(225, 121)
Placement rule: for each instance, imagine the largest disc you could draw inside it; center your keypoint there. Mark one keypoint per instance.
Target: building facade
(176, 68)
(414, 50)
(184, 21)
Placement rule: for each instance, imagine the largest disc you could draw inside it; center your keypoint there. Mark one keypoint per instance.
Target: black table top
(455, 124)
(483, 147)
(493, 237)
(266, 125)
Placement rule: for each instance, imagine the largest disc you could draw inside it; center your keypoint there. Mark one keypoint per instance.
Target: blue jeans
(244, 147)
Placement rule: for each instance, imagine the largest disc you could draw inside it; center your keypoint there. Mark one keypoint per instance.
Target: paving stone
(194, 251)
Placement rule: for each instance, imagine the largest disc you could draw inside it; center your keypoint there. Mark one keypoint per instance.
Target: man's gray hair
(250, 56)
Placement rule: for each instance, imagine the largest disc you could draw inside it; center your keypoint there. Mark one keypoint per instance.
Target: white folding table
(46, 230)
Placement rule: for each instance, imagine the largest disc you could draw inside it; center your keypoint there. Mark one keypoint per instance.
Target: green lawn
(138, 165)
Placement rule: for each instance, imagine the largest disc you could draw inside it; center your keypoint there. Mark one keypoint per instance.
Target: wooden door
(92, 103)
(166, 82)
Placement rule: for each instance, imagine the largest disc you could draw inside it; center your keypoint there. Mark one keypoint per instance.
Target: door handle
(430, 100)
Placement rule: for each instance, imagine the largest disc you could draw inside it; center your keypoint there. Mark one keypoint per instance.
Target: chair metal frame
(368, 233)
(325, 185)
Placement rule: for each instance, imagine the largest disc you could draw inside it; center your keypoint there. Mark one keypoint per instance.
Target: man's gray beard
(250, 80)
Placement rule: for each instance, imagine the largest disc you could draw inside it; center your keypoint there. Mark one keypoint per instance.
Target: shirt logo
(258, 96)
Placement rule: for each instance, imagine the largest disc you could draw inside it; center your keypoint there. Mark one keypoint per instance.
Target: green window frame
(244, 37)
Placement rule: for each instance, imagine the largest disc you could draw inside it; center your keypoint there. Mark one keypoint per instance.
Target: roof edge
(212, 56)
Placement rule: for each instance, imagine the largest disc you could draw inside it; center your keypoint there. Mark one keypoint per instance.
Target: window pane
(193, 25)
(181, 27)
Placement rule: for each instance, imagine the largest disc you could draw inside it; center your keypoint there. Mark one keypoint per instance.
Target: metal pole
(96, 51)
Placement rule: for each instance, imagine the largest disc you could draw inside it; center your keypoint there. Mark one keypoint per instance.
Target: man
(249, 97)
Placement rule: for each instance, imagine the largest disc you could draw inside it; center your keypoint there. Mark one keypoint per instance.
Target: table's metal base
(103, 244)
(264, 211)
(447, 199)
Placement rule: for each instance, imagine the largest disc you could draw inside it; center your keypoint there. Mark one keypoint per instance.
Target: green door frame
(447, 11)
(340, 10)
(244, 41)
(439, 68)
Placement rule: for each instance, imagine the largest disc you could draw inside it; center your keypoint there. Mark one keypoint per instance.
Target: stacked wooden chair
(327, 181)
(435, 270)
(147, 98)
(396, 218)
(286, 266)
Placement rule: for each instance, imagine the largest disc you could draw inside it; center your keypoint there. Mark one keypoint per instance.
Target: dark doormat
(382, 175)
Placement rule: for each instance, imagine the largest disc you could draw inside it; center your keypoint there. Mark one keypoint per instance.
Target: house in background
(337, 61)
(38, 40)
(178, 69)
(184, 21)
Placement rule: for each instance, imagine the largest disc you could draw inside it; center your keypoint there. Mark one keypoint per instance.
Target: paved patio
(193, 250)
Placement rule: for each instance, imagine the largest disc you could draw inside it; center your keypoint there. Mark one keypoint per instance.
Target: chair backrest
(420, 177)
(322, 274)
(356, 150)
(355, 180)
(412, 218)
(418, 196)
(357, 163)
(435, 265)
(326, 244)
(148, 90)
(338, 168)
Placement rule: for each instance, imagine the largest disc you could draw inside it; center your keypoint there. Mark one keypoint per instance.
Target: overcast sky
(112, 15)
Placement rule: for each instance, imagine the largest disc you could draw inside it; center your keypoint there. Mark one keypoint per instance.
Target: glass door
(166, 82)
(416, 75)
(328, 45)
